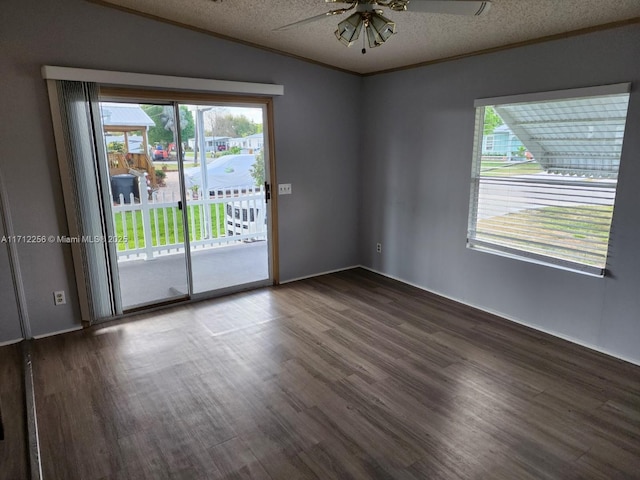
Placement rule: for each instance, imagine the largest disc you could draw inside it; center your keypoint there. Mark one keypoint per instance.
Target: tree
(117, 147)
(257, 169)
(163, 131)
(187, 123)
(228, 125)
(243, 127)
(219, 125)
(491, 120)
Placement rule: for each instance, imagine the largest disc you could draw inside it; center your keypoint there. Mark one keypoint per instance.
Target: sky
(254, 114)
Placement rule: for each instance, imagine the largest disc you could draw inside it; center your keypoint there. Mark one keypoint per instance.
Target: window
(488, 142)
(551, 200)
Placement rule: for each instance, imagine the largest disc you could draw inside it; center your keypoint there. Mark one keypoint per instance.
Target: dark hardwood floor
(13, 449)
(345, 376)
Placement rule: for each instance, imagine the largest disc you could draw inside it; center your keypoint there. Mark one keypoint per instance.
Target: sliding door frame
(176, 98)
(162, 87)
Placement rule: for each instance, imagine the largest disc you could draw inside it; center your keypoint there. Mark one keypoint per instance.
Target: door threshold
(150, 306)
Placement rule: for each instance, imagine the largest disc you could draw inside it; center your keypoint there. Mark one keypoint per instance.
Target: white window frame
(479, 138)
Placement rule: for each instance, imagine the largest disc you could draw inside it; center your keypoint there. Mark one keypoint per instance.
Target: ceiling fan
(378, 29)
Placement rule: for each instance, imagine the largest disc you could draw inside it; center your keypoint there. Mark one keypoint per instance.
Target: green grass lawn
(489, 164)
(175, 231)
(583, 228)
(192, 155)
(509, 169)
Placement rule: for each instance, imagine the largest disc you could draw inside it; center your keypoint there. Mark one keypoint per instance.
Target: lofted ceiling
(420, 37)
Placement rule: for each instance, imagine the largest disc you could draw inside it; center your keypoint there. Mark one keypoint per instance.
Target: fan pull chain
(364, 50)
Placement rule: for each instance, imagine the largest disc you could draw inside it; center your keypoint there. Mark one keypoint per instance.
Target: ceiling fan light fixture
(379, 29)
(349, 29)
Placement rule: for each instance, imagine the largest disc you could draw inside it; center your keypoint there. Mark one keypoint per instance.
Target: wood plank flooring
(13, 449)
(345, 376)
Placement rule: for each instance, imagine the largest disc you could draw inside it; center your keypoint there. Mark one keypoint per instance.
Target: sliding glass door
(188, 195)
(224, 181)
(149, 230)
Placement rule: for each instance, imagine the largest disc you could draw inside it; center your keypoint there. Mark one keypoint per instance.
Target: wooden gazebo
(126, 119)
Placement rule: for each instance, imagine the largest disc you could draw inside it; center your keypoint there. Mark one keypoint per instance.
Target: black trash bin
(124, 184)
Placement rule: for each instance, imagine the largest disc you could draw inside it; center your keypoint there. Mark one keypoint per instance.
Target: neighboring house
(502, 142)
(250, 144)
(212, 144)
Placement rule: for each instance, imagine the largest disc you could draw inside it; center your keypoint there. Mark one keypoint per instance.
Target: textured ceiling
(421, 37)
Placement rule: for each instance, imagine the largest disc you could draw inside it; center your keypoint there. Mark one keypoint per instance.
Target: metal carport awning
(580, 134)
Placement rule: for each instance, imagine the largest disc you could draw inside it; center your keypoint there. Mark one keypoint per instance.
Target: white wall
(417, 178)
(318, 223)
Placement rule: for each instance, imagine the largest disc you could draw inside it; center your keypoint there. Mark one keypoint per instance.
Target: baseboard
(511, 319)
(59, 332)
(11, 342)
(291, 280)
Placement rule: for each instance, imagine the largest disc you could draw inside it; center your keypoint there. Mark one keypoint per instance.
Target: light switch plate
(284, 189)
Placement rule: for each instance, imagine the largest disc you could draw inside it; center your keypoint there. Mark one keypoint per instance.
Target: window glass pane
(544, 179)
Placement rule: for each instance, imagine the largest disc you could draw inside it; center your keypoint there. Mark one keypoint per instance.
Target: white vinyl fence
(155, 227)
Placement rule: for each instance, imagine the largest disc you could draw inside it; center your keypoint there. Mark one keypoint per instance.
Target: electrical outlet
(284, 189)
(59, 298)
(379, 248)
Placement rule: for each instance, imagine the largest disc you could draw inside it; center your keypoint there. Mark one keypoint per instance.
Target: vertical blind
(77, 104)
(545, 190)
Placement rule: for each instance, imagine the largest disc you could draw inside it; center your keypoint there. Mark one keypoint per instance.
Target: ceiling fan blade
(454, 7)
(311, 19)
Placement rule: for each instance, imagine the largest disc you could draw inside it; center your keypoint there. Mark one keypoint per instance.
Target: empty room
(319, 239)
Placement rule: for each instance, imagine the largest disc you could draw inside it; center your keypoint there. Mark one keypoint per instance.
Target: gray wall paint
(417, 177)
(314, 147)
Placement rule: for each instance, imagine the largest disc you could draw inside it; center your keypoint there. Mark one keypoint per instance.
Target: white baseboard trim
(59, 332)
(514, 320)
(291, 280)
(10, 342)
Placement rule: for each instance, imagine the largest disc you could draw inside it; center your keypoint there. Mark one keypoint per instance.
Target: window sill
(596, 273)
